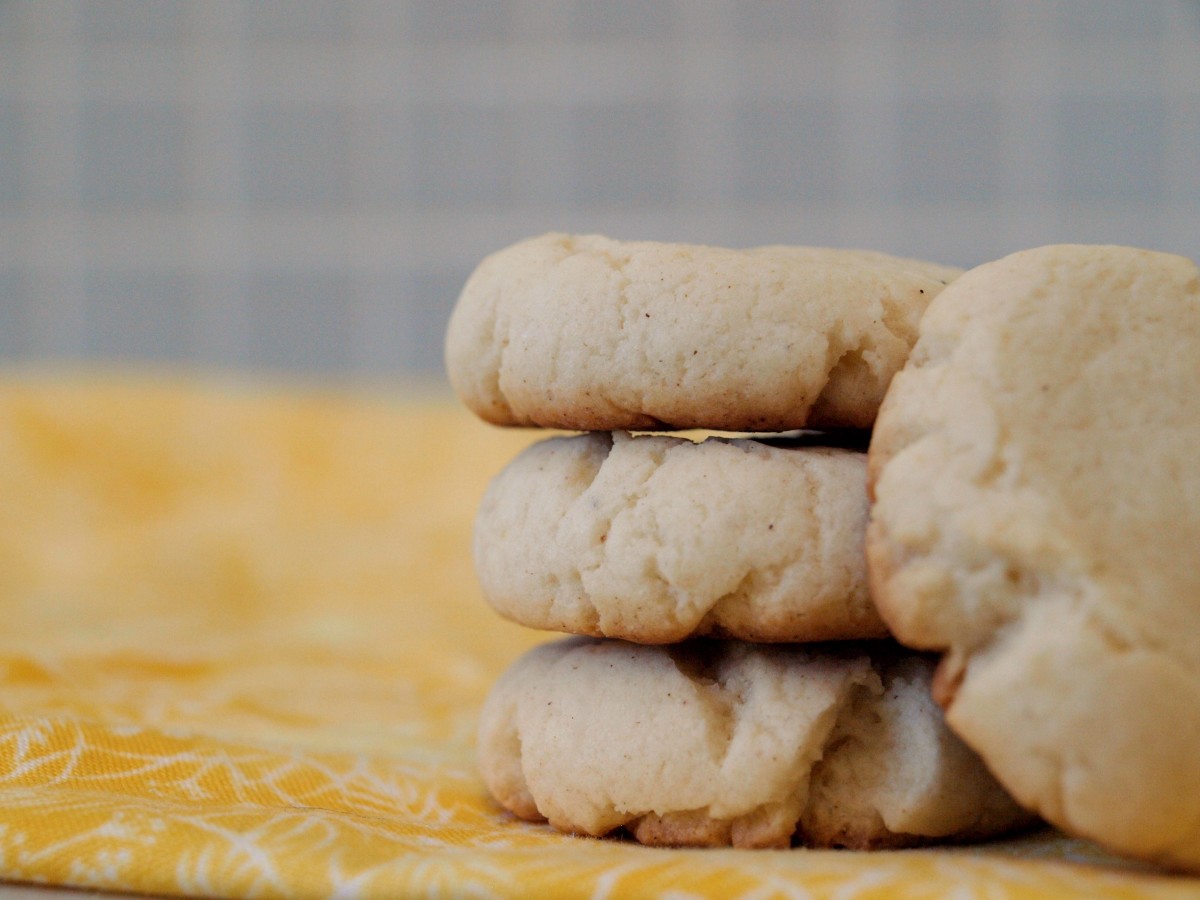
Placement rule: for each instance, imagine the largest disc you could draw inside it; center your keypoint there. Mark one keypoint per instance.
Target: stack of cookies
(730, 681)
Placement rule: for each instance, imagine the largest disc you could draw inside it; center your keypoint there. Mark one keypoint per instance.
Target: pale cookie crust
(654, 539)
(592, 334)
(714, 743)
(1036, 472)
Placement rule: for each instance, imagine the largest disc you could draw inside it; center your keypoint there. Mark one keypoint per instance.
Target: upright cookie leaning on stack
(1037, 517)
(642, 542)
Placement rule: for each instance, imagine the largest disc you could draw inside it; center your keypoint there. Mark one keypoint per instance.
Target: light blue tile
(463, 155)
(947, 151)
(10, 26)
(951, 19)
(381, 304)
(132, 20)
(431, 295)
(960, 68)
(384, 145)
(137, 314)
(543, 158)
(814, 20)
(132, 155)
(297, 20)
(402, 318)
(1109, 18)
(106, 72)
(1185, 122)
(297, 156)
(299, 321)
(12, 191)
(1110, 149)
(786, 151)
(14, 306)
(437, 21)
(622, 20)
(626, 154)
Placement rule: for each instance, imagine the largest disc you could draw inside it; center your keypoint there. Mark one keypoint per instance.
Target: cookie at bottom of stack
(711, 743)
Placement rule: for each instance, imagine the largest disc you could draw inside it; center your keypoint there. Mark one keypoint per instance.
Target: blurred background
(302, 187)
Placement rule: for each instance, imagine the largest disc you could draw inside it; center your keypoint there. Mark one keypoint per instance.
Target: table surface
(244, 652)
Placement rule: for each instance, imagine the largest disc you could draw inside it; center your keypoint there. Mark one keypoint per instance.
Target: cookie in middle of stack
(653, 546)
(655, 539)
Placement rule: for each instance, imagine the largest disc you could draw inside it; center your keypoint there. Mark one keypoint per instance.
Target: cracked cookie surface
(1037, 516)
(714, 743)
(588, 333)
(654, 539)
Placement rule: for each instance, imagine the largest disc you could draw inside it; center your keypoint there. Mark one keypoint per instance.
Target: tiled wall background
(304, 186)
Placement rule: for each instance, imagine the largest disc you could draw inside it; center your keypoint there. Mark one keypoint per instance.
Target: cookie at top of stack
(656, 539)
(586, 333)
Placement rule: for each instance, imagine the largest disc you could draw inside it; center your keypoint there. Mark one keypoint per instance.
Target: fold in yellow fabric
(243, 654)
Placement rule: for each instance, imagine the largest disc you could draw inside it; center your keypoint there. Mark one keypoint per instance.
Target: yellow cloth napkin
(243, 653)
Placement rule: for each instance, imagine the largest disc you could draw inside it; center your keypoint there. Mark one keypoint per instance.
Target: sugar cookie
(1036, 470)
(656, 538)
(592, 334)
(713, 743)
